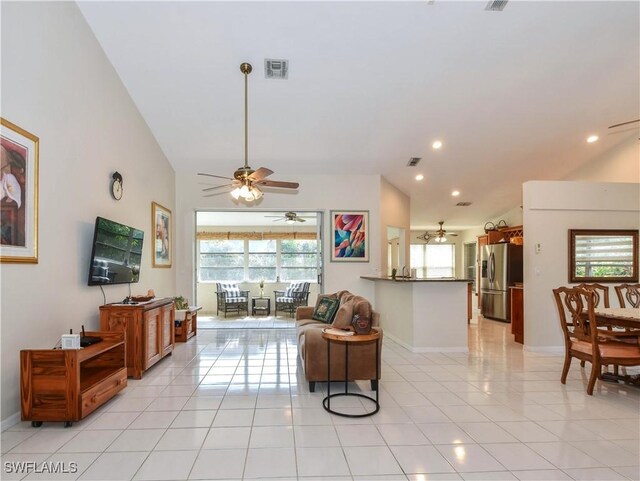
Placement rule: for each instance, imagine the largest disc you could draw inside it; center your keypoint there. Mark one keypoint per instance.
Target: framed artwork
(19, 191)
(350, 235)
(162, 235)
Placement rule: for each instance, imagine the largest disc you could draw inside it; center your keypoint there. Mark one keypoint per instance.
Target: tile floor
(245, 322)
(233, 404)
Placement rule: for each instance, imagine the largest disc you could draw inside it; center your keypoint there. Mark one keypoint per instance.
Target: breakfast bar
(423, 315)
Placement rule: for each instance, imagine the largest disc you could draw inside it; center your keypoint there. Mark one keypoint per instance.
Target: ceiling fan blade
(217, 176)
(260, 174)
(279, 219)
(217, 187)
(277, 183)
(453, 235)
(299, 219)
(623, 123)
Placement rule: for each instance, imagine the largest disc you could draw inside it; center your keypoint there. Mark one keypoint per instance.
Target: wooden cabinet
(186, 323)
(149, 329)
(68, 384)
(517, 313)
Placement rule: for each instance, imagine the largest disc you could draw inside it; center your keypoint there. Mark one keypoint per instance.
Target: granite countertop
(406, 280)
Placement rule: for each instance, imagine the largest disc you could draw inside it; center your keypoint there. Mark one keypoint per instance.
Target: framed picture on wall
(19, 190)
(162, 236)
(350, 235)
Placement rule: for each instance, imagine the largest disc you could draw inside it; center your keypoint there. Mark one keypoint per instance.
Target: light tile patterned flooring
(246, 322)
(233, 404)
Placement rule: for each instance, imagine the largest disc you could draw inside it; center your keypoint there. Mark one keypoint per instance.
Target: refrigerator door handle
(492, 267)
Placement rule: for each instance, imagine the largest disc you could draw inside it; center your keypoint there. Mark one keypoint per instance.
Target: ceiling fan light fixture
(441, 239)
(290, 221)
(235, 193)
(257, 193)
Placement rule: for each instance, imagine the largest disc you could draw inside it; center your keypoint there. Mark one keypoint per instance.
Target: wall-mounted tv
(116, 254)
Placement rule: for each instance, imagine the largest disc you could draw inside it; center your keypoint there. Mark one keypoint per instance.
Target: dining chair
(576, 310)
(601, 293)
(628, 294)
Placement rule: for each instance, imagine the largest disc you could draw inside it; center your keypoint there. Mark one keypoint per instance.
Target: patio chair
(231, 298)
(296, 295)
(583, 340)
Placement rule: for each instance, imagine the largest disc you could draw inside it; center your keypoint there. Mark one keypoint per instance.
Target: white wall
(550, 210)
(316, 192)
(58, 85)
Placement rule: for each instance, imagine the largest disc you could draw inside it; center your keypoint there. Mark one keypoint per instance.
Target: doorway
(260, 252)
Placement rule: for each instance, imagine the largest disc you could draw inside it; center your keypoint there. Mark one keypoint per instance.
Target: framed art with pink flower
(350, 235)
(19, 191)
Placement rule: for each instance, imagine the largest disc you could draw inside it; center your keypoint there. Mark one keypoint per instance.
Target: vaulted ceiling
(512, 94)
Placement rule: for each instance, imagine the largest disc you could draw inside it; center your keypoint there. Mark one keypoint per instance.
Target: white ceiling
(512, 94)
(253, 219)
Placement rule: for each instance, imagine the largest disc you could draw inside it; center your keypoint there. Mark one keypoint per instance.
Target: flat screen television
(116, 254)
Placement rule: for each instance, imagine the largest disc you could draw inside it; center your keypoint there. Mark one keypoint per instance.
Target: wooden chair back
(601, 293)
(628, 295)
(576, 311)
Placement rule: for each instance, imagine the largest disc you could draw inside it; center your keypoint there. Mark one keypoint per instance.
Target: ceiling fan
(439, 236)
(245, 180)
(621, 124)
(289, 218)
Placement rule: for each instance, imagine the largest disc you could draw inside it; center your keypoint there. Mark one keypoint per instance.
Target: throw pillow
(325, 310)
(343, 317)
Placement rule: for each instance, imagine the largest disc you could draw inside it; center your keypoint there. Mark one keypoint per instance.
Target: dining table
(627, 318)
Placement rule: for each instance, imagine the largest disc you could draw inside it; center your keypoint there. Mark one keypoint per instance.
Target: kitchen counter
(408, 279)
(423, 315)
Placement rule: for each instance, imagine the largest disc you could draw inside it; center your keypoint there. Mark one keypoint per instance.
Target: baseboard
(10, 421)
(544, 349)
(419, 350)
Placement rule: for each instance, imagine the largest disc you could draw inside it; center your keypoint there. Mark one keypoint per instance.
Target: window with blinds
(604, 256)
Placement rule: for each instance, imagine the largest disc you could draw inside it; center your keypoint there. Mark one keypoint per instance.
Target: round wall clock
(116, 186)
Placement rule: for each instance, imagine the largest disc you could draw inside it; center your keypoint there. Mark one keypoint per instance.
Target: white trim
(425, 349)
(10, 421)
(544, 349)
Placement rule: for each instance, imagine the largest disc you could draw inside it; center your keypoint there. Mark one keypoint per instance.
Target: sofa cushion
(325, 310)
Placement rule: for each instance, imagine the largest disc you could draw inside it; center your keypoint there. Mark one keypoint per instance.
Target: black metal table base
(326, 402)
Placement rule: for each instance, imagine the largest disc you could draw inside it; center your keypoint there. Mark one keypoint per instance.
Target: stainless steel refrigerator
(501, 267)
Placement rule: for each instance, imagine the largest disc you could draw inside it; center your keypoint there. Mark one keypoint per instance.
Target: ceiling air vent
(413, 161)
(463, 204)
(276, 69)
(496, 5)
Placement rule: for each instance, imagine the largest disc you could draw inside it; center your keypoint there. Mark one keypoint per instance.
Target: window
(256, 260)
(417, 260)
(221, 260)
(433, 261)
(262, 260)
(470, 263)
(299, 260)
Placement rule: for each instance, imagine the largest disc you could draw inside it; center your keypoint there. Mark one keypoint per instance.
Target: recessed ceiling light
(437, 144)
(592, 138)
(455, 193)
(419, 177)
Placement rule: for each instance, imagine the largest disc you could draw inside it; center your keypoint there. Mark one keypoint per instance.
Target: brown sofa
(312, 348)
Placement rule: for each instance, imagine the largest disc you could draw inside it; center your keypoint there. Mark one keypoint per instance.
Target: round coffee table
(373, 336)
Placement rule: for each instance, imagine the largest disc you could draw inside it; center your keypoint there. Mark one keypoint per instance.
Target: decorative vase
(261, 292)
